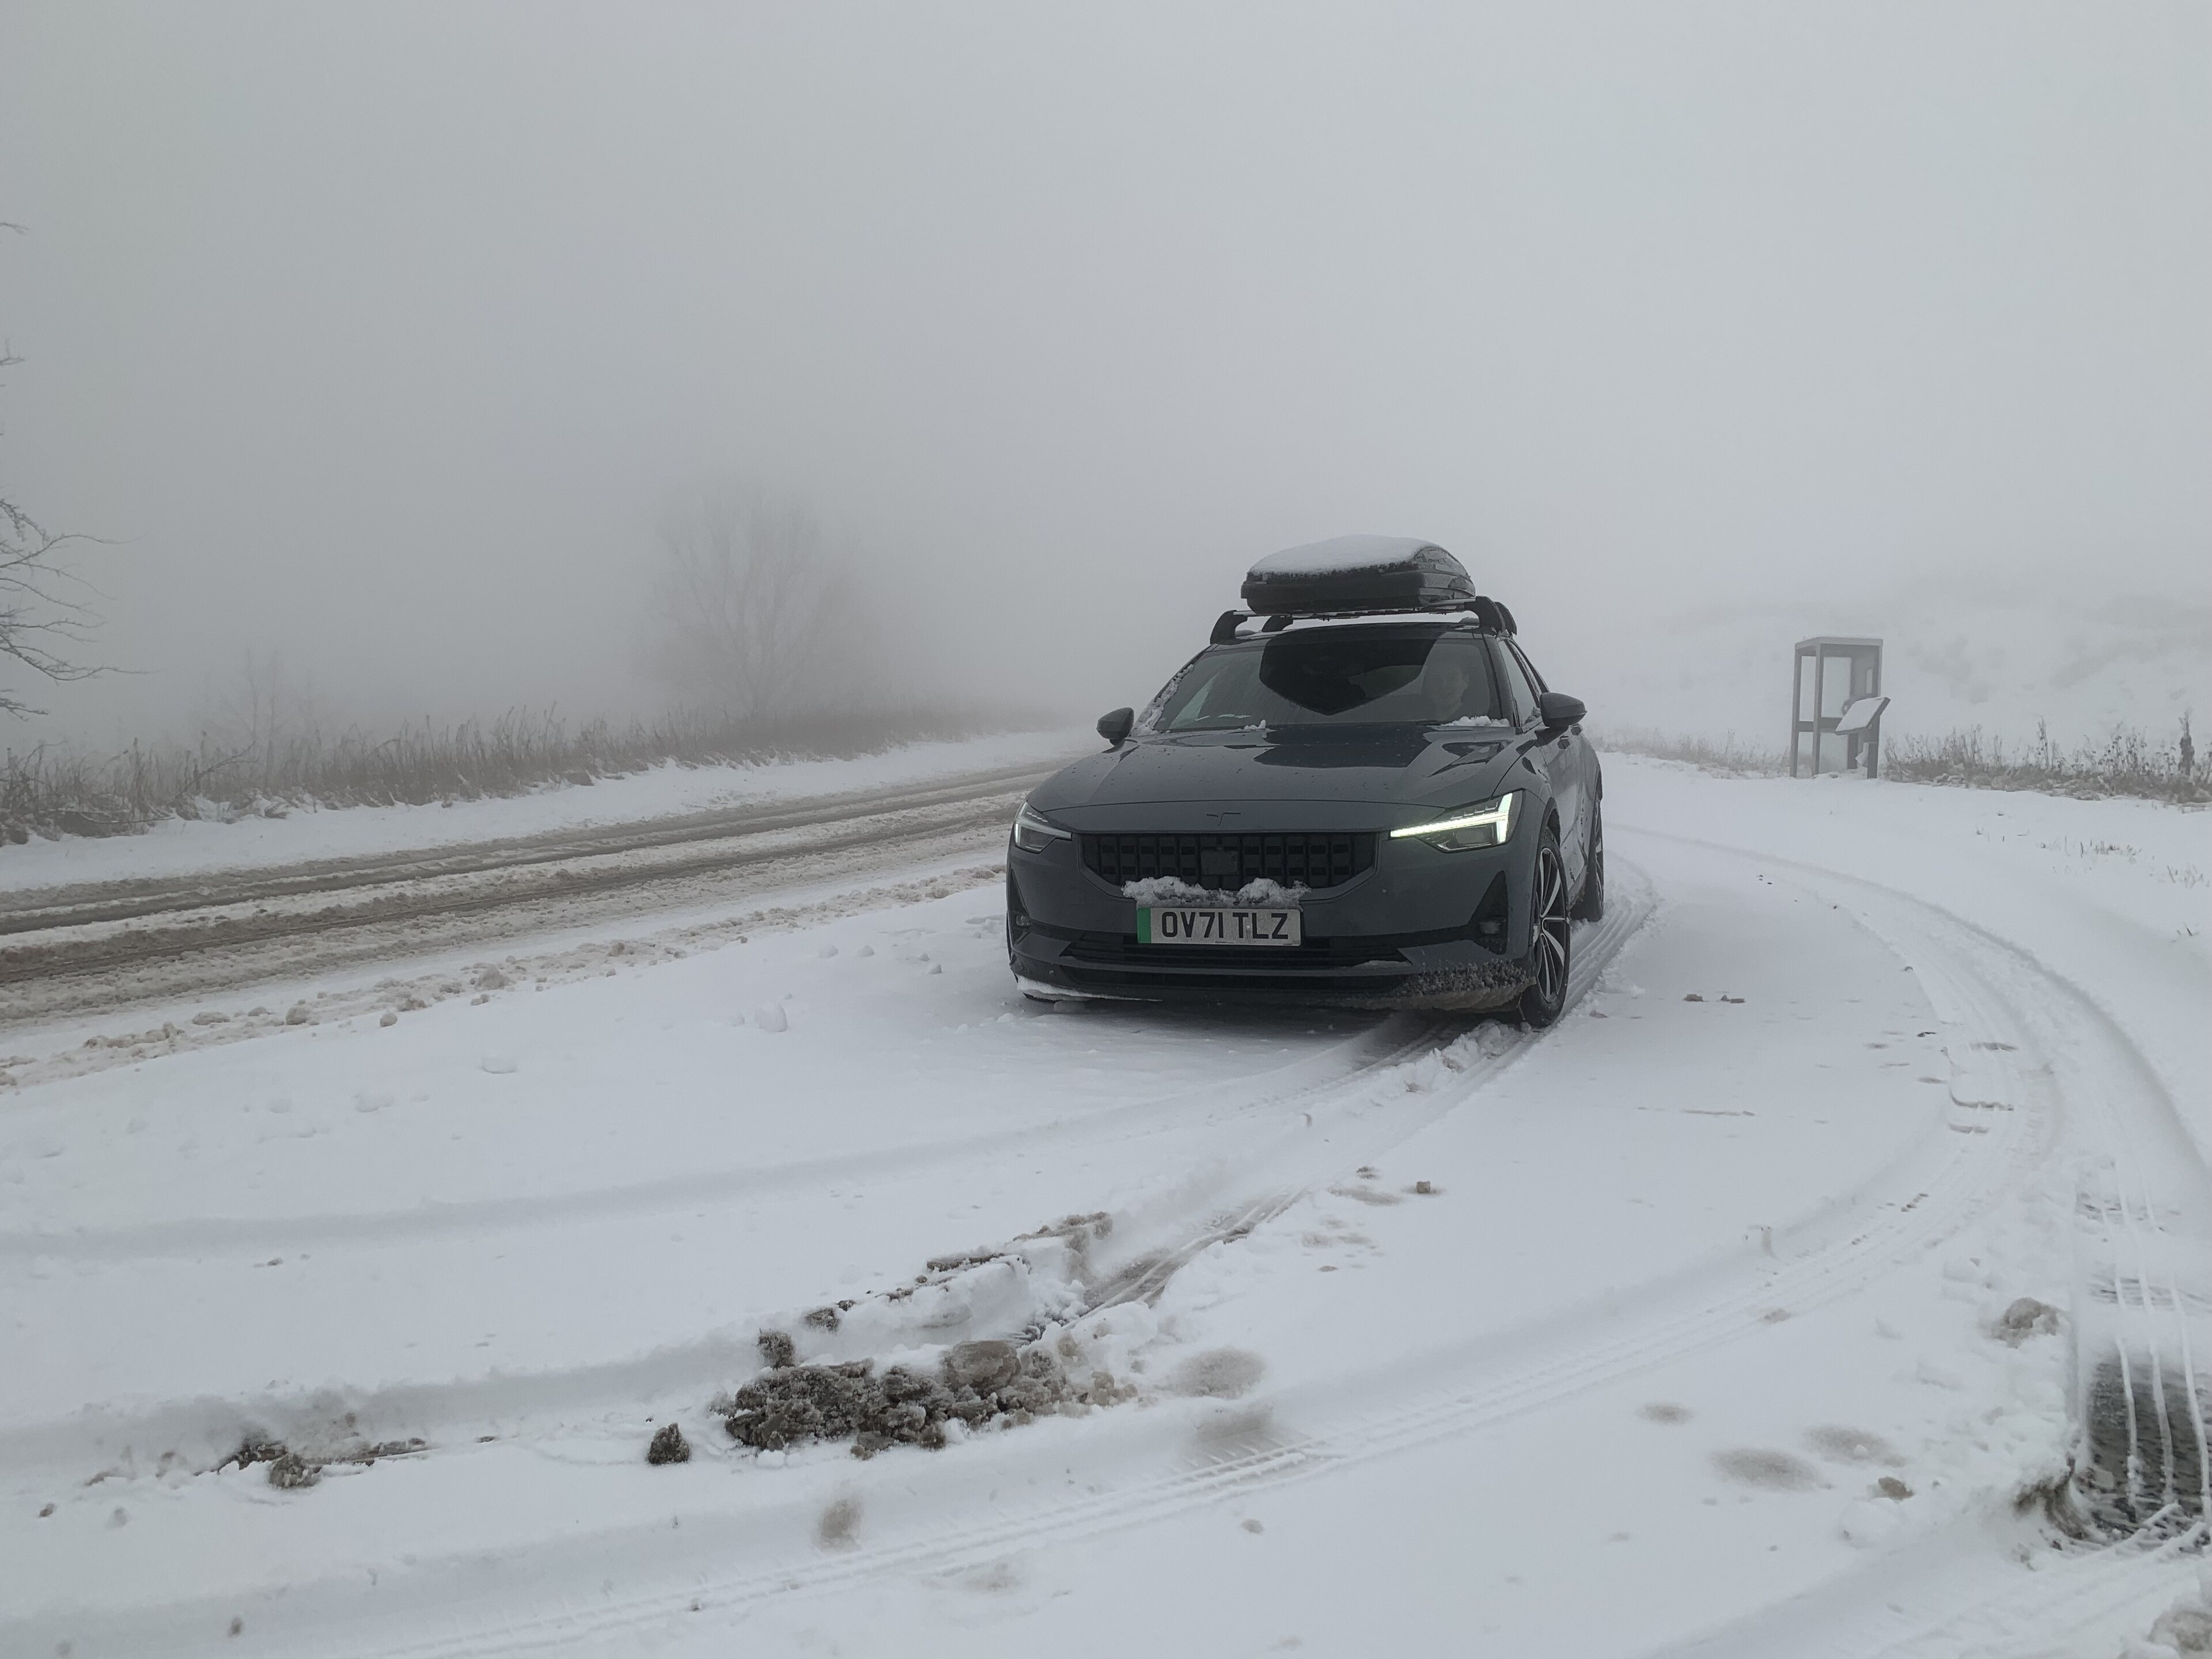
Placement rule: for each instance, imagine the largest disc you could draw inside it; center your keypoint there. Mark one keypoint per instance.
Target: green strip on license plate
(1144, 924)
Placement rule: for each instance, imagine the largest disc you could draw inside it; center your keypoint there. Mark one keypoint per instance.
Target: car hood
(1393, 766)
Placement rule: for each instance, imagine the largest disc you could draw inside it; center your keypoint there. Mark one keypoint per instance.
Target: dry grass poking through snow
(2130, 763)
(49, 791)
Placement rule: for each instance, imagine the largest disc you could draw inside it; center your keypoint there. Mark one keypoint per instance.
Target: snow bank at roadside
(180, 846)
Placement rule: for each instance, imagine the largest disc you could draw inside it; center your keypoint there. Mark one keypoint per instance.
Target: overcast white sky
(383, 333)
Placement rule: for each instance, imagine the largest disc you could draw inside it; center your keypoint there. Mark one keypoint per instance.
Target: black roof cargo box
(1356, 572)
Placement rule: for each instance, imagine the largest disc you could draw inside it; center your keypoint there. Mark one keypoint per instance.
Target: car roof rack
(1359, 577)
(1490, 616)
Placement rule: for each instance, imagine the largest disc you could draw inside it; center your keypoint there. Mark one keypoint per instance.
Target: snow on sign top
(1355, 574)
(1341, 554)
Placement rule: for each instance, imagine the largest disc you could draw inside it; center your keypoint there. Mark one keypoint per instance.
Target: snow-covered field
(1749, 1311)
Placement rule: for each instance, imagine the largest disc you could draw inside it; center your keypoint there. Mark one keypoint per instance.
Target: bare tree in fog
(38, 619)
(755, 613)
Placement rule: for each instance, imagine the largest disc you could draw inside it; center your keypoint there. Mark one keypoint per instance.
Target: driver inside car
(1444, 686)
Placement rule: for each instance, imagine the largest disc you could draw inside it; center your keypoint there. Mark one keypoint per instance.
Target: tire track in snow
(1953, 1594)
(1390, 1043)
(454, 1413)
(2140, 1395)
(2142, 1303)
(1200, 1219)
(1943, 1185)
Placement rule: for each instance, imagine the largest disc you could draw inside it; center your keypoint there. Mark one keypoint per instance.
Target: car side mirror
(1556, 710)
(1116, 728)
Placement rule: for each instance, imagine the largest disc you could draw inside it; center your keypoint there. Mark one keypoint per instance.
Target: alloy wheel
(1551, 927)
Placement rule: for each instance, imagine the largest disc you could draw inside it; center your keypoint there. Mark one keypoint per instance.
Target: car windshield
(1337, 677)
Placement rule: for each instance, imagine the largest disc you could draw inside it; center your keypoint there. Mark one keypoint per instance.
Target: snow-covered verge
(1751, 1294)
(2112, 896)
(2127, 761)
(177, 847)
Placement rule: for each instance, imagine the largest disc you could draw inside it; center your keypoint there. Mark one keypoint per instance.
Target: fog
(389, 338)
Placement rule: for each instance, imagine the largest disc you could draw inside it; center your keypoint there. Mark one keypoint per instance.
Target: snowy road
(1684, 1327)
(98, 947)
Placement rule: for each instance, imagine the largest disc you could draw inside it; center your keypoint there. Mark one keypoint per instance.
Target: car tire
(1589, 904)
(1550, 939)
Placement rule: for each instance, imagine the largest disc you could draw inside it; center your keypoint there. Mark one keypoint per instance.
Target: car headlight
(1033, 833)
(1485, 823)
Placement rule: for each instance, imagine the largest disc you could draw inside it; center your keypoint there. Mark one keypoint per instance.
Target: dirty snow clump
(1172, 889)
(974, 1383)
(2183, 1628)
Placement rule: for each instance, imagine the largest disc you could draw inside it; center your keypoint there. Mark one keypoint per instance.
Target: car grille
(1310, 861)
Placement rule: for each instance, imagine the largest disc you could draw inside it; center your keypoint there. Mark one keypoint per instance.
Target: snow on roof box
(1356, 572)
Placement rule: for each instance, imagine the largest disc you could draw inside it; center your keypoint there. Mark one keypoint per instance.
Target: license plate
(1161, 924)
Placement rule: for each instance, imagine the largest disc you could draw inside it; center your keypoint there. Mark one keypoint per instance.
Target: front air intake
(1315, 861)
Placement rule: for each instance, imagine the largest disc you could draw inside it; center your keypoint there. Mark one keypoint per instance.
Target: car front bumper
(1419, 929)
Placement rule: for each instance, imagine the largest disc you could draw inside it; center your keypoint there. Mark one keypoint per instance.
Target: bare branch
(43, 608)
(752, 611)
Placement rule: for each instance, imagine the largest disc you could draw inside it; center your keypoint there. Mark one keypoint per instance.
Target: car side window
(1534, 678)
(1516, 680)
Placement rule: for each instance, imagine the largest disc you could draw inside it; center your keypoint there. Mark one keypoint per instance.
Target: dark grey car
(1362, 810)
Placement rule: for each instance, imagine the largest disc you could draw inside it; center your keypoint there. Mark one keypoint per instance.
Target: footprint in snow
(770, 1018)
(499, 1065)
(1839, 1444)
(1776, 1471)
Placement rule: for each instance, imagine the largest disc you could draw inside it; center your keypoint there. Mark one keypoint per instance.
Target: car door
(1560, 756)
